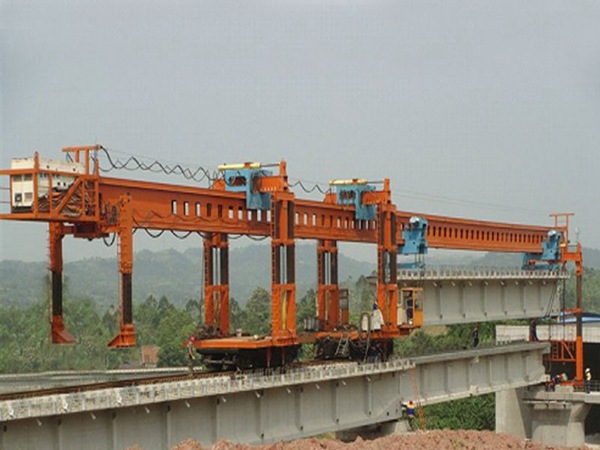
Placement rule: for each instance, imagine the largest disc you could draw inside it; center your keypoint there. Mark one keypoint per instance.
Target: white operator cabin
(22, 185)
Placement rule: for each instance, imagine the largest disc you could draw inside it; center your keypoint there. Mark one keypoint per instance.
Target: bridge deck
(255, 408)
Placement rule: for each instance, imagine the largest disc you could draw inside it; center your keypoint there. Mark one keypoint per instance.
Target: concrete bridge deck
(254, 408)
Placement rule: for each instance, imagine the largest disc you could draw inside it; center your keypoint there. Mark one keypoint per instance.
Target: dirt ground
(428, 440)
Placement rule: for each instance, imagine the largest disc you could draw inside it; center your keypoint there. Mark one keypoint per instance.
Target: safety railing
(484, 273)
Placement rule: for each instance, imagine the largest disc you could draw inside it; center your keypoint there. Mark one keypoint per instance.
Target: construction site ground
(420, 440)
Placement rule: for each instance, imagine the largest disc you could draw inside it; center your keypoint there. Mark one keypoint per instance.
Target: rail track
(199, 374)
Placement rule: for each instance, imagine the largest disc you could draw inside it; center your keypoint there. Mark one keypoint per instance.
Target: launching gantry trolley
(256, 200)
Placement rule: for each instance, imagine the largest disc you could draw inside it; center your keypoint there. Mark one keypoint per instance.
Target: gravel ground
(429, 440)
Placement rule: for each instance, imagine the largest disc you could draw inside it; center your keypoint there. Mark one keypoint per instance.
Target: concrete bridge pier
(512, 414)
(559, 423)
(552, 418)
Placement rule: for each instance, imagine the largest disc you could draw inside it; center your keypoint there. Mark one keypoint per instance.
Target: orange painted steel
(329, 316)
(216, 283)
(59, 334)
(95, 206)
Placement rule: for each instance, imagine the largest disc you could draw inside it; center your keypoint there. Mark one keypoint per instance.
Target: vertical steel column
(283, 282)
(58, 332)
(216, 285)
(579, 309)
(328, 299)
(126, 336)
(387, 268)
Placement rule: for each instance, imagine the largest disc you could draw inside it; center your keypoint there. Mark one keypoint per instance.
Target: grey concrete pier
(550, 417)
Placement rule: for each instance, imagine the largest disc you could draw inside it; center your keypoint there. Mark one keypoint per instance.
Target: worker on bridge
(191, 353)
(410, 413)
(377, 320)
(533, 330)
(476, 336)
(588, 380)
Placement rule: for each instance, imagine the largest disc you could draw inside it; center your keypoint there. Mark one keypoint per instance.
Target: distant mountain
(177, 275)
(591, 259)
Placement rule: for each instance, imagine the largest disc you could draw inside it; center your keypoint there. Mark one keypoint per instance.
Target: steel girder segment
(464, 234)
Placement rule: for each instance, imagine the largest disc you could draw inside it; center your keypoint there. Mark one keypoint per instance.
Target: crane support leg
(328, 292)
(216, 284)
(59, 334)
(283, 282)
(126, 336)
(387, 269)
(579, 337)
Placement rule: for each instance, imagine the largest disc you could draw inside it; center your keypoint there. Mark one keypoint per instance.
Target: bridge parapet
(480, 273)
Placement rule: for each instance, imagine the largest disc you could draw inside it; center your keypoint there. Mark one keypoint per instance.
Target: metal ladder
(421, 422)
(343, 348)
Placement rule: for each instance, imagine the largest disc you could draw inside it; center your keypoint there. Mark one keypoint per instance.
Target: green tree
(258, 312)
(237, 315)
(147, 318)
(306, 308)
(173, 331)
(473, 413)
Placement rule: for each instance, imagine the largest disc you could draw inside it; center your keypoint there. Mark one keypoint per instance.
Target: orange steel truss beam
(95, 206)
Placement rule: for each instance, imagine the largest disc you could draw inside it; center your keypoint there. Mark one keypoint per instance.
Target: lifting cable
(315, 187)
(109, 244)
(134, 163)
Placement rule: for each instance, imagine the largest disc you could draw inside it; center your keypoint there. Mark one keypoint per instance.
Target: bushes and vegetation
(24, 334)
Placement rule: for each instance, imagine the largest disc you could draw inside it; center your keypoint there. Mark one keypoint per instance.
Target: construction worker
(191, 352)
(410, 413)
(588, 380)
(533, 330)
(377, 320)
(476, 336)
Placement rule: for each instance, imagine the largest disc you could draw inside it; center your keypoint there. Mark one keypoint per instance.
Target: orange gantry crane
(250, 199)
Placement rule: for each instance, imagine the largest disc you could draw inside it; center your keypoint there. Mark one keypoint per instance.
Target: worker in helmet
(410, 413)
(533, 330)
(476, 336)
(191, 352)
(588, 380)
(377, 321)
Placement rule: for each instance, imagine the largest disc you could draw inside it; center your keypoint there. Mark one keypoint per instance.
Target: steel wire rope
(114, 238)
(445, 199)
(315, 187)
(156, 166)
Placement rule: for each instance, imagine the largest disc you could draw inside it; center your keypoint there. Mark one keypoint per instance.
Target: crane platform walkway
(263, 408)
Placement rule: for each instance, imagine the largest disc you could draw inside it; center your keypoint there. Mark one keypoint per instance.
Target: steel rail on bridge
(254, 408)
